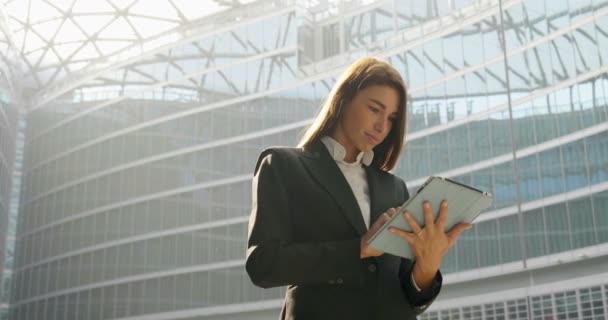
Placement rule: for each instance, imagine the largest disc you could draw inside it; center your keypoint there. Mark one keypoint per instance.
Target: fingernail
(426, 205)
(469, 227)
(445, 203)
(391, 230)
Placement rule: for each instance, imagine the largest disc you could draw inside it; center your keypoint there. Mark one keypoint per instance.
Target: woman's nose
(381, 125)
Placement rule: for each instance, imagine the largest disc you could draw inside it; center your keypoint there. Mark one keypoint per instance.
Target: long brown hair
(365, 72)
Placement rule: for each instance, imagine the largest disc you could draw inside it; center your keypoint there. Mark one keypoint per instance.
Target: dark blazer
(304, 232)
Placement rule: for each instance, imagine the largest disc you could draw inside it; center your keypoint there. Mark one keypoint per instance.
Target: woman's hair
(363, 73)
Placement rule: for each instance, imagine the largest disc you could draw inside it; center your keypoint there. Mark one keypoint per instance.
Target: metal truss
(175, 63)
(9, 68)
(360, 28)
(56, 38)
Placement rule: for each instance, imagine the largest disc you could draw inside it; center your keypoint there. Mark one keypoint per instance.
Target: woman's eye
(374, 110)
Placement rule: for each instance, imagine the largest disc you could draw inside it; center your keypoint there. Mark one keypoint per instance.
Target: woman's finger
(409, 237)
(379, 222)
(411, 222)
(443, 215)
(456, 231)
(428, 214)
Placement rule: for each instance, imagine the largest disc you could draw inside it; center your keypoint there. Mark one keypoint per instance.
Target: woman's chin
(367, 147)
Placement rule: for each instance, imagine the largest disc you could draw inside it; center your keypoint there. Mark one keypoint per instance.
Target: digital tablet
(465, 203)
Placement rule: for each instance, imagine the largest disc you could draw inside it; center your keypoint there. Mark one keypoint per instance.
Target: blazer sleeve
(420, 300)
(273, 258)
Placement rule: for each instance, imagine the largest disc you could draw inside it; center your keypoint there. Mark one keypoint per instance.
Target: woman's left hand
(431, 243)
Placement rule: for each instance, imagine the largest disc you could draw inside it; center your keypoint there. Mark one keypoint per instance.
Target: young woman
(315, 206)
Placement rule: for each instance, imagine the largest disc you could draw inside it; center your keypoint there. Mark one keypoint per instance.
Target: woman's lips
(371, 138)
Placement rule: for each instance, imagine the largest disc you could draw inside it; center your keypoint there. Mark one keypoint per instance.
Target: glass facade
(587, 303)
(136, 186)
(10, 222)
(8, 132)
(11, 140)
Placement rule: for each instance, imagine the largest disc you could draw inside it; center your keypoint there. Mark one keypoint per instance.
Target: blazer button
(339, 281)
(371, 268)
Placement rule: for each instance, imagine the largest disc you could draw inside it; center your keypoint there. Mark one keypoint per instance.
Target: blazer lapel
(378, 193)
(327, 173)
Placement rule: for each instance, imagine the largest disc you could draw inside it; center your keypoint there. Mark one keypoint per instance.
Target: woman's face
(367, 120)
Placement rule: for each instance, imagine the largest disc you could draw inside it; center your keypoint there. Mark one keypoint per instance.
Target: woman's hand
(366, 251)
(431, 243)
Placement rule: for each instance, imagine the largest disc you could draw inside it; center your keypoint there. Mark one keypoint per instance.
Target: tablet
(465, 203)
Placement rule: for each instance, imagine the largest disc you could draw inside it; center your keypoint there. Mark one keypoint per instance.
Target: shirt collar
(338, 152)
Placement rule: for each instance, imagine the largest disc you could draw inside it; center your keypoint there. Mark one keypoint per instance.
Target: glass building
(11, 147)
(144, 124)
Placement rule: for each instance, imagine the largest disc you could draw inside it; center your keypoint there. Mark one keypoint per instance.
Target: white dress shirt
(354, 173)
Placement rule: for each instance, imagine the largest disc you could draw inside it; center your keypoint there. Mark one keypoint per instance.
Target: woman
(315, 206)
